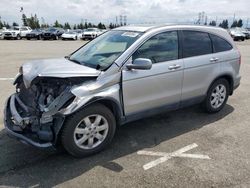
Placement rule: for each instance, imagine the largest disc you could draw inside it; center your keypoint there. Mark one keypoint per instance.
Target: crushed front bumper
(13, 125)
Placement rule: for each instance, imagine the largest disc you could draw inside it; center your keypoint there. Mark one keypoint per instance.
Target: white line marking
(166, 156)
(4, 79)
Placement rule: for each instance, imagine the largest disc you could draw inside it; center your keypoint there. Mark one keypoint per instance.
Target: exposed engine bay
(36, 108)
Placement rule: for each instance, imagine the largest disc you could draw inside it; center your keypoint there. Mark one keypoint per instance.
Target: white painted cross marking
(4, 79)
(166, 156)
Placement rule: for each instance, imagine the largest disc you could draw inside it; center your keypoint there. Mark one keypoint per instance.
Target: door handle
(173, 67)
(214, 59)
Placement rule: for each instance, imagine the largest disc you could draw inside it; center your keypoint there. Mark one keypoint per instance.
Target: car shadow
(25, 166)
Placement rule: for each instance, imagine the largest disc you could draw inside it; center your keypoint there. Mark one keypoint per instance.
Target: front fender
(110, 93)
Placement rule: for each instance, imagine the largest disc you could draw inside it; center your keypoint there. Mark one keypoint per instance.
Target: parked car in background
(244, 31)
(237, 34)
(17, 32)
(79, 33)
(123, 75)
(53, 33)
(35, 34)
(90, 33)
(70, 35)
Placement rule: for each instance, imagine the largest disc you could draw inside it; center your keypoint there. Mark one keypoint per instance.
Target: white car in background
(79, 33)
(237, 35)
(91, 33)
(17, 32)
(1, 35)
(70, 35)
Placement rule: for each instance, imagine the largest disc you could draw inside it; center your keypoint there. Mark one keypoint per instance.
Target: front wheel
(217, 96)
(88, 131)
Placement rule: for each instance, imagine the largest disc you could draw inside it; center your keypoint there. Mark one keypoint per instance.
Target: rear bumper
(13, 123)
(237, 82)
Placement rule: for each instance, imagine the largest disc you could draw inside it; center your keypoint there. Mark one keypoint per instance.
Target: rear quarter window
(220, 44)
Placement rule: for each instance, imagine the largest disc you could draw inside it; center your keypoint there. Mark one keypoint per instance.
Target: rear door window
(220, 44)
(196, 43)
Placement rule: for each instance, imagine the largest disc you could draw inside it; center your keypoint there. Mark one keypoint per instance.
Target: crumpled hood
(60, 68)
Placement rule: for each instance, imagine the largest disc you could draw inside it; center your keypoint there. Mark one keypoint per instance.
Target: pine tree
(1, 24)
(212, 23)
(240, 23)
(24, 18)
(234, 24)
(57, 24)
(14, 24)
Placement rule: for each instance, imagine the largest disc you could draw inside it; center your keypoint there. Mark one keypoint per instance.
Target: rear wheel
(217, 96)
(88, 131)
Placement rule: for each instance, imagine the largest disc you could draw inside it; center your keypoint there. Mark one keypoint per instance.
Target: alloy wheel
(218, 96)
(91, 131)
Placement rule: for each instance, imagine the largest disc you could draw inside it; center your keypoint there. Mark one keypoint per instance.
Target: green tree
(66, 26)
(24, 19)
(212, 23)
(14, 24)
(234, 24)
(6, 24)
(90, 25)
(44, 25)
(1, 24)
(85, 25)
(224, 24)
(240, 23)
(80, 26)
(57, 24)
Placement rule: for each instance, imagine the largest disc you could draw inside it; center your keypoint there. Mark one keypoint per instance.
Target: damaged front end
(32, 113)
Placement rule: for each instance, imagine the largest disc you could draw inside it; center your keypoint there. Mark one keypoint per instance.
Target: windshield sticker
(130, 34)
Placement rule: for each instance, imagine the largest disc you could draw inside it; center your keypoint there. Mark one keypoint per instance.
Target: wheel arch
(111, 104)
(227, 77)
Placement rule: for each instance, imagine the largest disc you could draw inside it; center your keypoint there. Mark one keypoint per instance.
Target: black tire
(207, 102)
(28, 38)
(56, 37)
(18, 37)
(39, 37)
(67, 136)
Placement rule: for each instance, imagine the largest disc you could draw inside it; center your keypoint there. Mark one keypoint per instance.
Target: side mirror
(140, 63)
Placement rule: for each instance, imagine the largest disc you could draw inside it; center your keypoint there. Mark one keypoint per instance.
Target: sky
(137, 11)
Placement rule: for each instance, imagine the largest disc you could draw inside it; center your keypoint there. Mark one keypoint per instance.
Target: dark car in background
(53, 33)
(35, 34)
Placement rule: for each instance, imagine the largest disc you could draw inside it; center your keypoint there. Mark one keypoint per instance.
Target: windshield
(105, 49)
(51, 29)
(70, 32)
(36, 30)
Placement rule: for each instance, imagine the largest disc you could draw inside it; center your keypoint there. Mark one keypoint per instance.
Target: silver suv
(123, 75)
